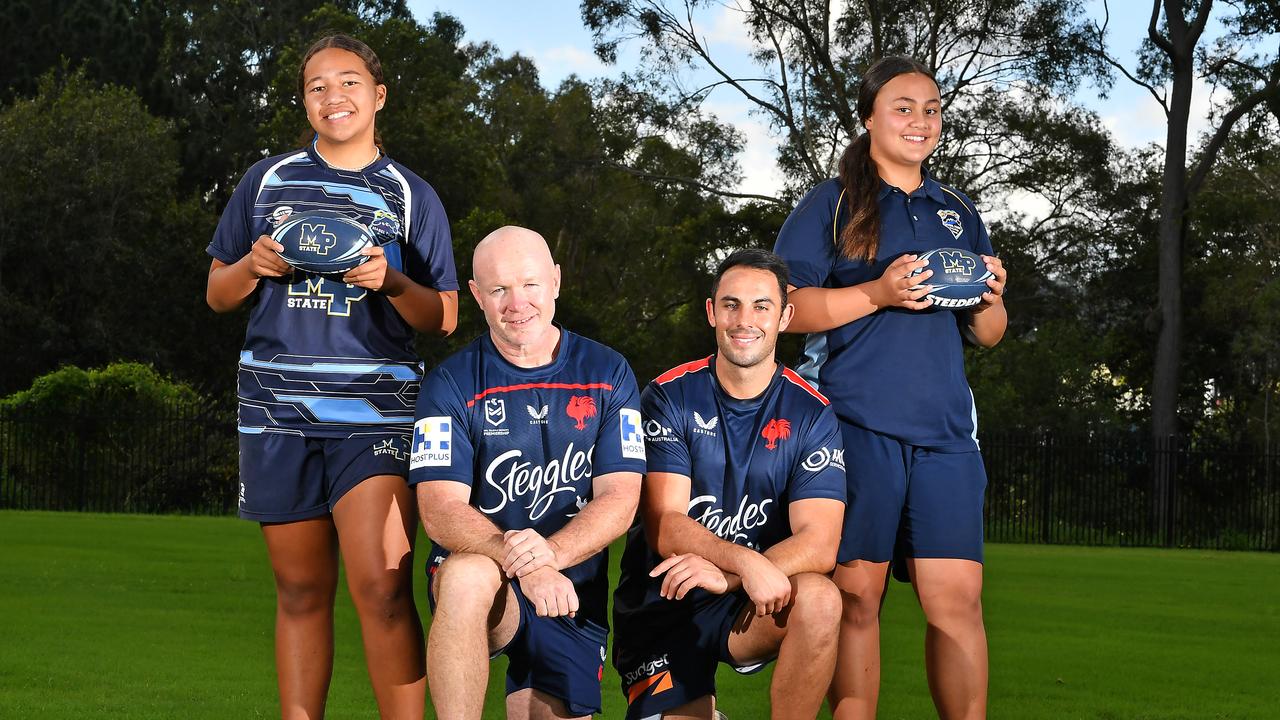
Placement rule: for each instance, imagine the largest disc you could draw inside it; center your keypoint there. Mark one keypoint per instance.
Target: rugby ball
(959, 277)
(322, 242)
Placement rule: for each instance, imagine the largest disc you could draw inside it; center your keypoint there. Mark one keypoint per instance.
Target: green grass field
(117, 616)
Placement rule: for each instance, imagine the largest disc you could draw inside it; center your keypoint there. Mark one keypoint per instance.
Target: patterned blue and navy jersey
(322, 358)
(746, 460)
(898, 372)
(529, 441)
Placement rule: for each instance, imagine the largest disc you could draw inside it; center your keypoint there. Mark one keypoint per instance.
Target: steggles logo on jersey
(539, 416)
(732, 528)
(316, 239)
(242, 494)
(951, 221)
(432, 438)
(391, 447)
(774, 431)
(536, 486)
(580, 408)
(705, 427)
(280, 214)
(632, 438)
(819, 459)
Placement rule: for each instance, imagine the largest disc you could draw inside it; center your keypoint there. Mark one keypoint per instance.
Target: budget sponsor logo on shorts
(536, 486)
(432, 442)
(649, 676)
(645, 669)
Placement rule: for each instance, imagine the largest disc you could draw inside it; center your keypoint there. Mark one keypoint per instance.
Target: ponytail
(860, 238)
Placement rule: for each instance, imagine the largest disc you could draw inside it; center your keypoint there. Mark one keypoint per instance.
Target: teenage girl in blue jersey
(893, 367)
(328, 380)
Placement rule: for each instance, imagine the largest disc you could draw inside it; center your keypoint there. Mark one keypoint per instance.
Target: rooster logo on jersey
(774, 431)
(580, 408)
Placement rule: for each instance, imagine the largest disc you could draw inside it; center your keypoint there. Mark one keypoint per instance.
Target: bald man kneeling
(527, 456)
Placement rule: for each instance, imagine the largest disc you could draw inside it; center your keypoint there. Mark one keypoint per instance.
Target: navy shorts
(561, 656)
(284, 478)
(924, 503)
(667, 659)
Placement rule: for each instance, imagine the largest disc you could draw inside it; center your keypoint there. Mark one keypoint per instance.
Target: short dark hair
(757, 259)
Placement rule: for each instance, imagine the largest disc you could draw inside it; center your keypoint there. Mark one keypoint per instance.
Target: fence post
(1046, 489)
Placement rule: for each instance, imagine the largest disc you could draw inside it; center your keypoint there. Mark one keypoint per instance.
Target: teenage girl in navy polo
(328, 380)
(893, 367)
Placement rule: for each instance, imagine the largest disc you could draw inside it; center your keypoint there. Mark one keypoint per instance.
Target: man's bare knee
(816, 601)
(467, 580)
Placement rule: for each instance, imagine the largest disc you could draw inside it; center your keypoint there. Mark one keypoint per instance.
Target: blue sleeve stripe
(398, 372)
(343, 410)
(360, 196)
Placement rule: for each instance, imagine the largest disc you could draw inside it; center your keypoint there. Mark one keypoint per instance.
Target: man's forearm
(679, 534)
(804, 552)
(597, 524)
(461, 528)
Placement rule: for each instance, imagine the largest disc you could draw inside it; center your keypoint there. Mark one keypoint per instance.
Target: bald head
(516, 283)
(506, 246)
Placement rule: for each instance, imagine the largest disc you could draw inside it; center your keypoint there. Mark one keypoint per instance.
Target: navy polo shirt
(897, 372)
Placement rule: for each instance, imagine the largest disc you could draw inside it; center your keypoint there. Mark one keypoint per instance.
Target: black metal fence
(1094, 489)
(181, 460)
(1121, 489)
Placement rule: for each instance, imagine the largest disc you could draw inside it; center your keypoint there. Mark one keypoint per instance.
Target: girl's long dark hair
(860, 238)
(351, 45)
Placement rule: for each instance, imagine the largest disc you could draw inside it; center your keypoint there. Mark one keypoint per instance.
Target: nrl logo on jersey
(537, 416)
(495, 414)
(280, 214)
(703, 426)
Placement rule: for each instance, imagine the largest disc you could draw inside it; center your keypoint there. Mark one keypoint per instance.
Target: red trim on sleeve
(803, 384)
(681, 370)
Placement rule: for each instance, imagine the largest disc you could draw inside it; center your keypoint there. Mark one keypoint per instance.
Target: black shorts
(669, 657)
(284, 478)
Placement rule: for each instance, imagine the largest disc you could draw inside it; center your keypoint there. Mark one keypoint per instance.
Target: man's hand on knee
(689, 571)
(768, 587)
(551, 593)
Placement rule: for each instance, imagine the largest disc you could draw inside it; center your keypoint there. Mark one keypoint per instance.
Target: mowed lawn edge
(127, 616)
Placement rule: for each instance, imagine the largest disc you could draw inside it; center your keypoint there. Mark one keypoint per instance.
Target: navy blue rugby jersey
(529, 441)
(747, 460)
(322, 358)
(898, 372)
